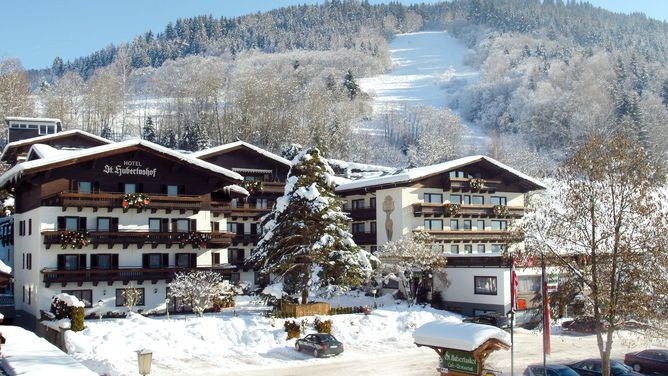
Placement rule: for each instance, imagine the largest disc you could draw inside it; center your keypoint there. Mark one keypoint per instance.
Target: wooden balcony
(364, 238)
(274, 187)
(467, 236)
(361, 213)
(219, 239)
(245, 239)
(111, 201)
(124, 275)
(240, 210)
(428, 209)
(464, 185)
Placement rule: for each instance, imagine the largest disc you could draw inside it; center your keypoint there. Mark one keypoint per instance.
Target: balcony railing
(464, 184)
(246, 209)
(475, 211)
(364, 238)
(273, 187)
(219, 239)
(114, 200)
(470, 235)
(245, 239)
(360, 213)
(122, 274)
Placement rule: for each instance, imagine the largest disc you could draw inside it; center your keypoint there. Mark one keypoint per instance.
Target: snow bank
(459, 336)
(4, 268)
(26, 354)
(70, 300)
(275, 290)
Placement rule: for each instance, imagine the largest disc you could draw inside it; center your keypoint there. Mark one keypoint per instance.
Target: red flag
(546, 319)
(514, 282)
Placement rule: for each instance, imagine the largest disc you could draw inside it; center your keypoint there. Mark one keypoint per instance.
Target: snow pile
(275, 290)
(458, 336)
(70, 300)
(28, 355)
(224, 341)
(4, 268)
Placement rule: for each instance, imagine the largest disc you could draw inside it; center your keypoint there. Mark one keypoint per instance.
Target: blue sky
(36, 31)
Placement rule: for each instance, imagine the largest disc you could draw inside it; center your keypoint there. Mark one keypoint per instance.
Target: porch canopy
(460, 336)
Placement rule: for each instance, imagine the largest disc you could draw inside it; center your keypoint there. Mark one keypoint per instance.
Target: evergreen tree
(57, 68)
(195, 137)
(351, 85)
(169, 140)
(291, 151)
(148, 132)
(664, 92)
(305, 240)
(106, 132)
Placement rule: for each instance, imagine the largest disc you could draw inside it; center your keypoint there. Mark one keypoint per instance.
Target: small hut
(462, 347)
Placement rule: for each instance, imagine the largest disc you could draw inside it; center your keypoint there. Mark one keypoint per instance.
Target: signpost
(461, 361)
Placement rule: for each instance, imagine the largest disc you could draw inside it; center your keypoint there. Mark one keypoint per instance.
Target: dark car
(584, 324)
(320, 344)
(493, 319)
(552, 370)
(648, 361)
(592, 367)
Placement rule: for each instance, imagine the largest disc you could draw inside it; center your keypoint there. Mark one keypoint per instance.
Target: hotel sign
(130, 168)
(460, 361)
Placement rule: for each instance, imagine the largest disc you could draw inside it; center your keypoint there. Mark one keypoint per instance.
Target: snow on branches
(306, 239)
(197, 289)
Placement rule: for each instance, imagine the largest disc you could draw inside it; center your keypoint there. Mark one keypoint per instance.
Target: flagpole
(543, 289)
(512, 314)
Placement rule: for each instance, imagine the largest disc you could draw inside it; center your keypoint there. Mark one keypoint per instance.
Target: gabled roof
(41, 139)
(222, 149)
(31, 119)
(414, 174)
(15, 173)
(44, 151)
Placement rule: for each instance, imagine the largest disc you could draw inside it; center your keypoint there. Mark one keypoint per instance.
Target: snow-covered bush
(61, 305)
(197, 289)
(322, 326)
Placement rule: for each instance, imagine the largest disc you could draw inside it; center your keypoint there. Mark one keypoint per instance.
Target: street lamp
(167, 307)
(144, 358)
(100, 306)
(374, 291)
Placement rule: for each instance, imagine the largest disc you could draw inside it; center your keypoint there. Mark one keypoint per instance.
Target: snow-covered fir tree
(106, 132)
(169, 139)
(148, 132)
(305, 240)
(197, 289)
(350, 84)
(195, 137)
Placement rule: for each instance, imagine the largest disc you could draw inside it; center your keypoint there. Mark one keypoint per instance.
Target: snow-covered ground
(427, 69)
(244, 342)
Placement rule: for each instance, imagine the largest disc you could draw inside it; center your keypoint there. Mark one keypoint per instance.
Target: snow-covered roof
(232, 145)
(17, 171)
(41, 139)
(458, 336)
(45, 151)
(31, 119)
(418, 173)
(236, 189)
(354, 170)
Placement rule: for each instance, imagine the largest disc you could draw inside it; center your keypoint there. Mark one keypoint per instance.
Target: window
(480, 225)
(215, 258)
(467, 224)
(372, 202)
(153, 261)
(235, 256)
(120, 299)
(357, 204)
(86, 296)
(373, 227)
(30, 226)
(129, 188)
(72, 223)
(458, 174)
(358, 228)
(104, 261)
(528, 283)
(154, 224)
(22, 228)
(481, 248)
(455, 199)
(186, 260)
(215, 226)
(499, 225)
(182, 225)
(433, 224)
(235, 277)
(467, 200)
(468, 248)
(29, 261)
(478, 200)
(232, 227)
(485, 285)
(434, 198)
(103, 224)
(437, 248)
(85, 187)
(29, 294)
(497, 248)
(261, 203)
(454, 249)
(454, 224)
(71, 262)
(172, 190)
(498, 200)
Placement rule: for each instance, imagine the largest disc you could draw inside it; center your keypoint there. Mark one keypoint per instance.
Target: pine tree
(305, 240)
(169, 140)
(148, 132)
(351, 85)
(106, 132)
(57, 68)
(195, 137)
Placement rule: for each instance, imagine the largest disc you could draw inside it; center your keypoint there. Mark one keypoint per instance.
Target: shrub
(323, 326)
(77, 320)
(223, 302)
(60, 309)
(293, 329)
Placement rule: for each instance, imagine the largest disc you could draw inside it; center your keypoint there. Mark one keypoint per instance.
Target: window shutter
(164, 225)
(182, 189)
(74, 186)
(121, 187)
(93, 261)
(96, 187)
(140, 188)
(61, 223)
(61, 262)
(144, 261)
(164, 189)
(192, 226)
(82, 223)
(165, 260)
(193, 260)
(253, 228)
(114, 261)
(82, 261)
(23, 263)
(29, 226)
(114, 224)
(174, 226)
(240, 228)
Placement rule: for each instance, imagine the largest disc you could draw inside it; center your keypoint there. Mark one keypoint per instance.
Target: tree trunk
(304, 296)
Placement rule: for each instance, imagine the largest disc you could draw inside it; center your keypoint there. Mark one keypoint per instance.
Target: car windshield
(565, 372)
(619, 369)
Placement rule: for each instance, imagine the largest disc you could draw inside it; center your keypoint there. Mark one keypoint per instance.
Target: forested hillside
(552, 73)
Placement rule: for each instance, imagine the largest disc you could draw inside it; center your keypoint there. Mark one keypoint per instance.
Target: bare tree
(131, 296)
(604, 224)
(14, 90)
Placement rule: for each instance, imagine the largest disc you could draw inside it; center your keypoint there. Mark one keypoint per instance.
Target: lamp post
(100, 305)
(374, 291)
(144, 358)
(167, 307)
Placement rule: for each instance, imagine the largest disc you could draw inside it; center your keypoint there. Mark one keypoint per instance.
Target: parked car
(320, 344)
(493, 319)
(584, 324)
(648, 361)
(592, 367)
(552, 370)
